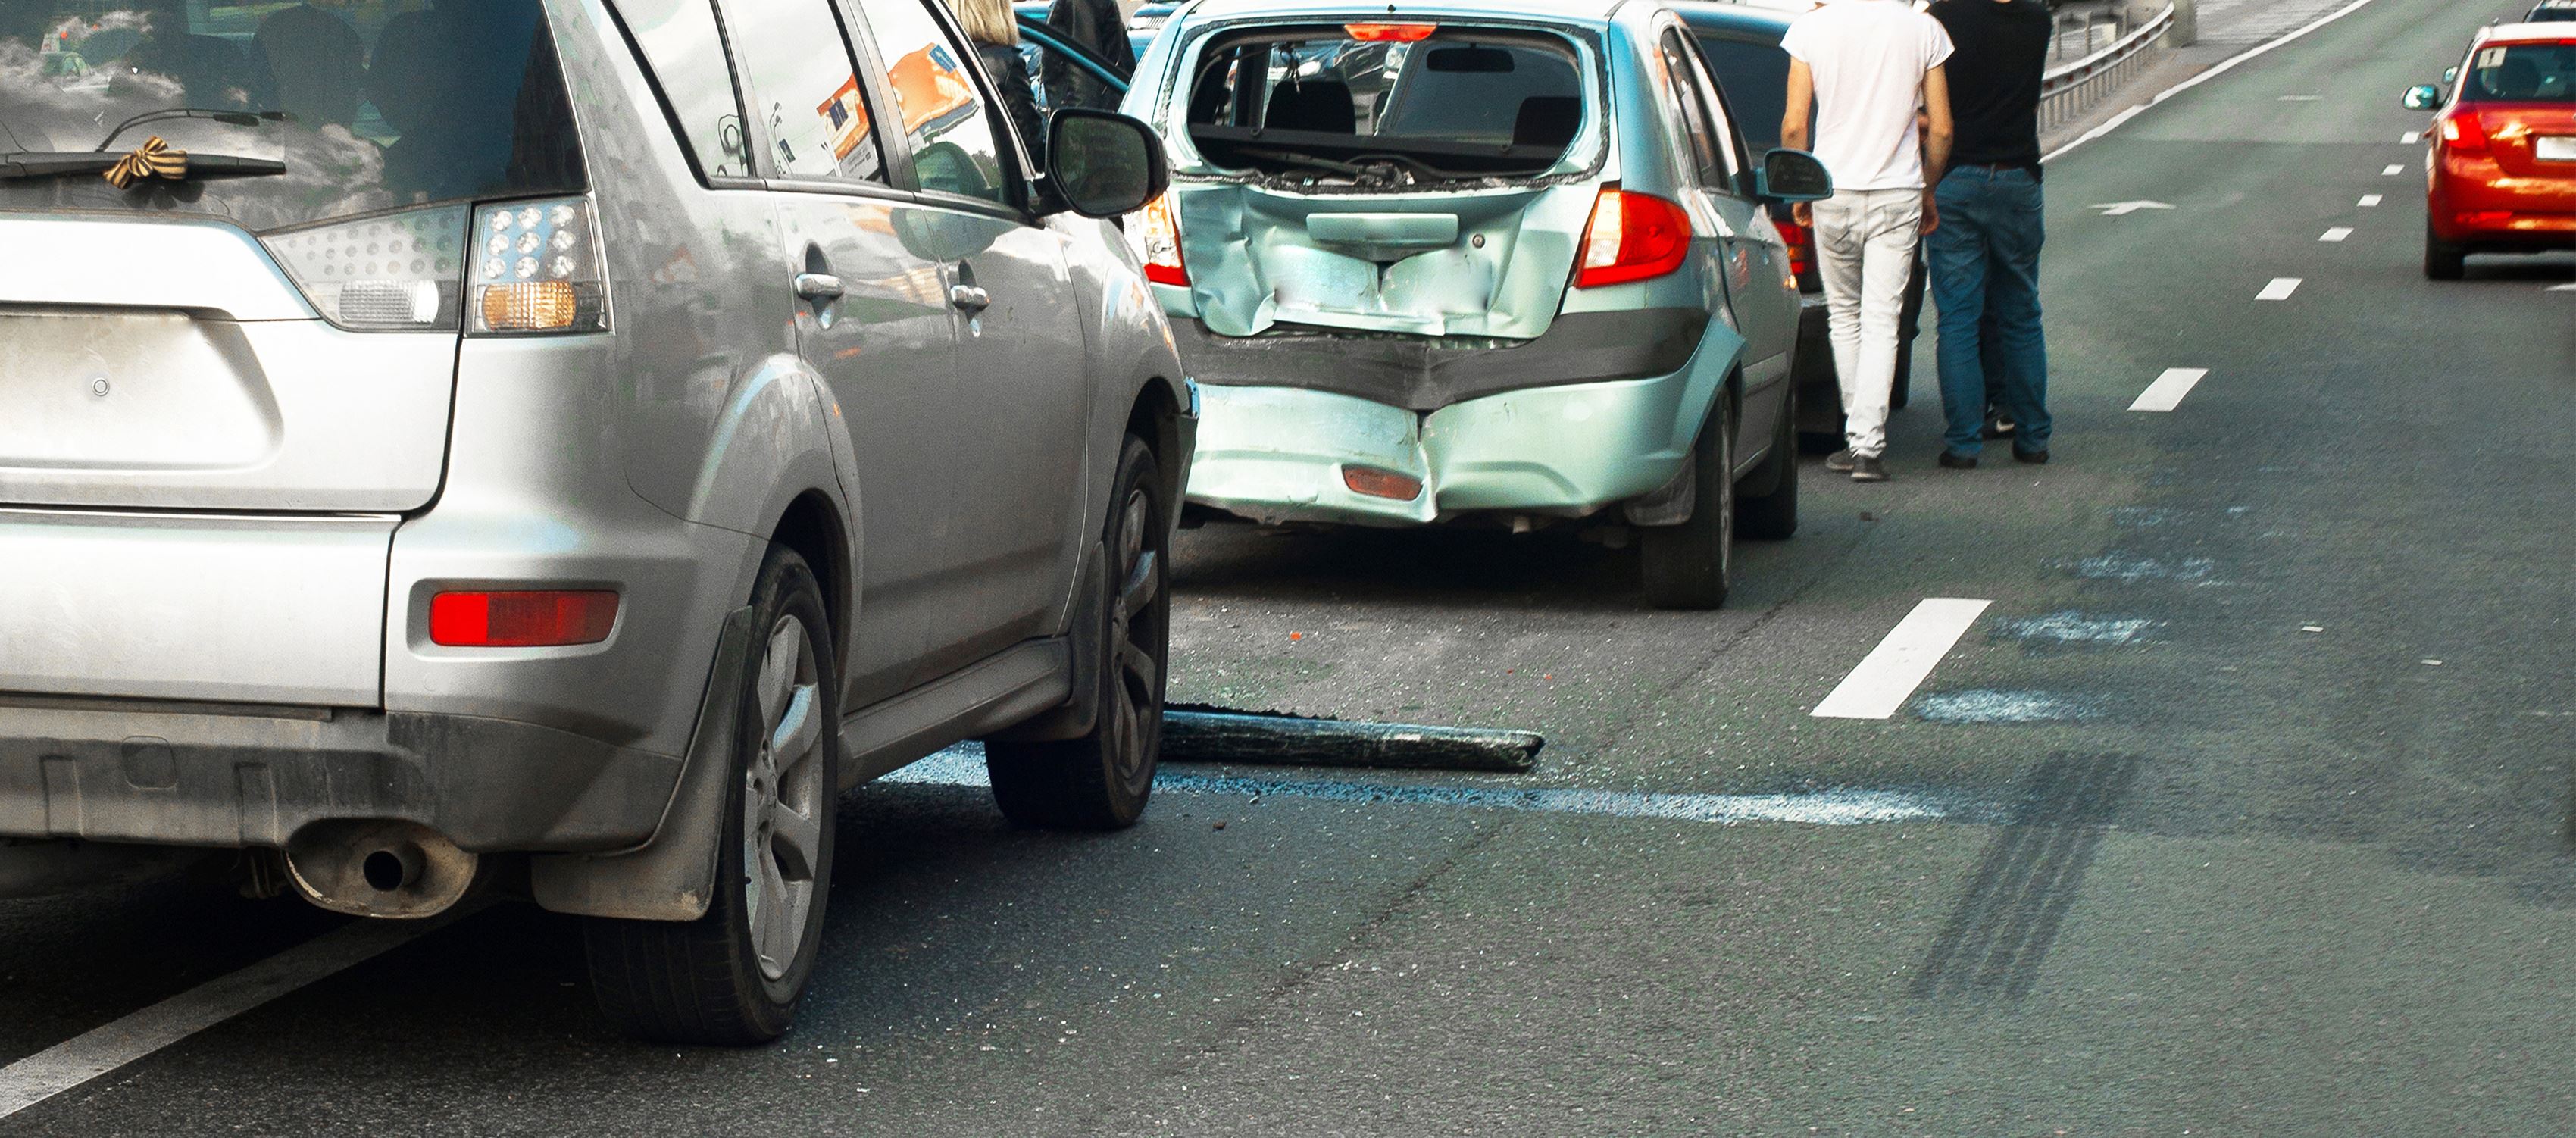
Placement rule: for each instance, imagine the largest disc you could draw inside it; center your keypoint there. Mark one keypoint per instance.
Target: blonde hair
(987, 21)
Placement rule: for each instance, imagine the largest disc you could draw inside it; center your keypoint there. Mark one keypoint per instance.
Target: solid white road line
(1900, 663)
(2279, 289)
(2167, 391)
(2393, 170)
(2337, 233)
(2370, 201)
(2231, 64)
(103, 1049)
(2562, 288)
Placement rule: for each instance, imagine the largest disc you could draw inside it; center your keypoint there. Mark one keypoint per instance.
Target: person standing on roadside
(1864, 67)
(1985, 258)
(1100, 26)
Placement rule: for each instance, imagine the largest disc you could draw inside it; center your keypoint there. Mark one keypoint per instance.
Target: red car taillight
(530, 619)
(1632, 237)
(2462, 133)
(1158, 240)
(1802, 247)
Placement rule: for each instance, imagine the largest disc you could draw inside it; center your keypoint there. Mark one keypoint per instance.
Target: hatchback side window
(943, 112)
(685, 58)
(1701, 134)
(804, 90)
(1723, 135)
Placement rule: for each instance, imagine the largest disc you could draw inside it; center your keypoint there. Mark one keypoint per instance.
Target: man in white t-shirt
(1865, 67)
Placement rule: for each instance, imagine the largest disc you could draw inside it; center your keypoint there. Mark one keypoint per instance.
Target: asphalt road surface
(2242, 807)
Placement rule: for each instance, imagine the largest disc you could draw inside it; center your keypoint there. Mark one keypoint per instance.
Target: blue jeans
(1985, 278)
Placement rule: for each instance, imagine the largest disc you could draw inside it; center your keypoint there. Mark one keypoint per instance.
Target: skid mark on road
(963, 765)
(1999, 934)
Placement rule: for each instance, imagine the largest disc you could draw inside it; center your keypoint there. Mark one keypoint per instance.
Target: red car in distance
(2501, 157)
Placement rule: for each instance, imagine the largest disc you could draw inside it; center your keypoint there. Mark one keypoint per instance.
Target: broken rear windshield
(1345, 103)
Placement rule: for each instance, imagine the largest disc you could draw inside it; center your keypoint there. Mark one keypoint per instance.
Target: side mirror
(2424, 97)
(2450, 75)
(1792, 176)
(1104, 164)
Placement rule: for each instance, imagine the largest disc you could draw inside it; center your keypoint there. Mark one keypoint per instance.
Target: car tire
(1772, 515)
(735, 976)
(2443, 261)
(1102, 780)
(1688, 566)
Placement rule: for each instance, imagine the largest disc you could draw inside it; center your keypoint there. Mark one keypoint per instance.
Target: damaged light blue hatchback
(1510, 260)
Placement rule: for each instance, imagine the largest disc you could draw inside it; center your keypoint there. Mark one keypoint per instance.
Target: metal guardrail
(2069, 91)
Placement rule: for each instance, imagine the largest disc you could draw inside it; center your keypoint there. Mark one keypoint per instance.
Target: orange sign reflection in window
(848, 116)
(929, 87)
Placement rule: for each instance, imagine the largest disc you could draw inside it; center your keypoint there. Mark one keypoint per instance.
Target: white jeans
(1865, 250)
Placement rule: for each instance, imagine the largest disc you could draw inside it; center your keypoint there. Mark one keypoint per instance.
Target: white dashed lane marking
(2338, 233)
(2412, 137)
(103, 1049)
(1887, 677)
(2370, 201)
(2393, 170)
(2167, 391)
(2279, 289)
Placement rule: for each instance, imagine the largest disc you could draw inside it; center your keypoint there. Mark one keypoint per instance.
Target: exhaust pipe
(379, 868)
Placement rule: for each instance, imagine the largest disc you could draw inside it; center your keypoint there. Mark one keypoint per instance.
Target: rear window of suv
(1396, 102)
(369, 104)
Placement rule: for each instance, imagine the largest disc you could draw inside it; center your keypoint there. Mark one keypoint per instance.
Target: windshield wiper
(233, 118)
(24, 164)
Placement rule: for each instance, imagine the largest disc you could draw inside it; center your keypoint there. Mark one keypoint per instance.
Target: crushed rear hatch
(1387, 178)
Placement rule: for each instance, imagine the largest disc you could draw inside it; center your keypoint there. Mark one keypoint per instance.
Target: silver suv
(456, 443)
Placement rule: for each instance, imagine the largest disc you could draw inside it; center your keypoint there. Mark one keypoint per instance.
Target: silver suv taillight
(536, 269)
(392, 271)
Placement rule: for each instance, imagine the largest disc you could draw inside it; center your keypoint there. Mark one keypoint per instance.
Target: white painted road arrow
(2124, 209)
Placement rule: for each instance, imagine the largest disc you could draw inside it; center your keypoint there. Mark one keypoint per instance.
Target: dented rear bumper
(1278, 454)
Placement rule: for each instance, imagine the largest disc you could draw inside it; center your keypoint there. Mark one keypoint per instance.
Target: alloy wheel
(1136, 635)
(783, 799)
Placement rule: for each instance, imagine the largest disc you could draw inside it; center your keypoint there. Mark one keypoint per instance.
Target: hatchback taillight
(2462, 133)
(1802, 247)
(1632, 237)
(537, 269)
(1158, 239)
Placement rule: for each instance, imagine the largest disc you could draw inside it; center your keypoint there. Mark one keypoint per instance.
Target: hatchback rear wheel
(1102, 780)
(1688, 566)
(735, 976)
(2443, 261)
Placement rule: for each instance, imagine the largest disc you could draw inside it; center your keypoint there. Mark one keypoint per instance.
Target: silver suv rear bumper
(134, 771)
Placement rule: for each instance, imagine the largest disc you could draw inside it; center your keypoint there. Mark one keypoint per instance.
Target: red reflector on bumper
(1381, 483)
(537, 618)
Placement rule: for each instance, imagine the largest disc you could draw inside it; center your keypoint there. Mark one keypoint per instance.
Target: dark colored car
(2551, 12)
(1742, 45)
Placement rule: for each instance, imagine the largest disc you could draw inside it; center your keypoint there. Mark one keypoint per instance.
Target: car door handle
(969, 298)
(818, 286)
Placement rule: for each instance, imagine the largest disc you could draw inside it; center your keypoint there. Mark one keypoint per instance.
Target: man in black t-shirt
(1985, 256)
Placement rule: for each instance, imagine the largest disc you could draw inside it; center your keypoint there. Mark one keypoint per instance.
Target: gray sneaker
(1840, 462)
(1868, 470)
